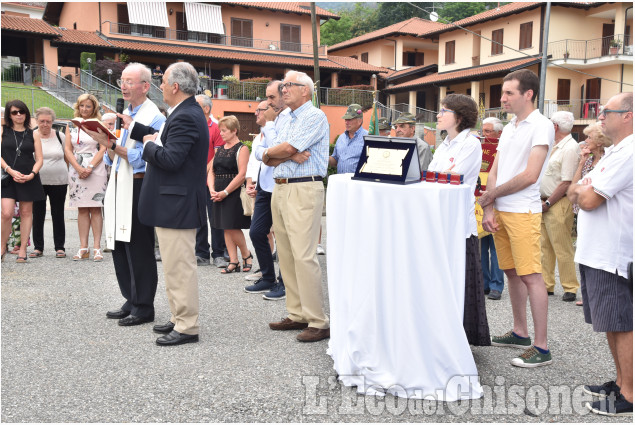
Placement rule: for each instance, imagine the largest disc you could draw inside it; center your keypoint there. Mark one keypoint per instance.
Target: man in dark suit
(173, 197)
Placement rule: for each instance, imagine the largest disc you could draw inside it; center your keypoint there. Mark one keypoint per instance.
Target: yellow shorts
(518, 242)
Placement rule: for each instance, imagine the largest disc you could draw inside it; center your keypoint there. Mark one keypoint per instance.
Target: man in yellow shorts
(512, 211)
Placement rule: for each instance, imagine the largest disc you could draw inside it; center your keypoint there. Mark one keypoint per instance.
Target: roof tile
(23, 24)
(82, 37)
(294, 7)
(466, 73)
(412, 26)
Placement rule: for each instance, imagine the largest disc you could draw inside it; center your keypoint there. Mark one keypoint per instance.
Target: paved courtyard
(63, 361)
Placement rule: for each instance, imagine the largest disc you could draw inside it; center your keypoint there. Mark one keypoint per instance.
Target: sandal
(21, 259)
(35, 254)
(97, 257)
(246, 266)
(227, 270)
(82, 254)
(580, 303)
(60, 254)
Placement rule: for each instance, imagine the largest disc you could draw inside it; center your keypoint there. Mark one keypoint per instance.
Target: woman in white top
(461, 153)
(54, 176)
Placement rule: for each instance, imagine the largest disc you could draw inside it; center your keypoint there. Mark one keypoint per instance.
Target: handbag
(18, 152)
(246, 200)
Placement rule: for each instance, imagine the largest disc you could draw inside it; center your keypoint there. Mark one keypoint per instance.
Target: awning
(148, 13)
(204, 18)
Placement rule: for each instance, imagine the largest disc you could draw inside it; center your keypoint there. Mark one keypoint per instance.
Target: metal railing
(36, 98)
(208, 38)
(582, 109)
(106, 93)
(421, 114)
(156, 95)
(345, 97)
(618, 44)
(29, 74)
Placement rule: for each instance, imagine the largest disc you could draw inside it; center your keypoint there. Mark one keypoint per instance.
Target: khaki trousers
(296, 210)
(181, 279)
(556, 243)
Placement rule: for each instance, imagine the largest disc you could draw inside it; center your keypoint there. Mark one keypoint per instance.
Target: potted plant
(614, 46)
(566, 55)
(37, 81)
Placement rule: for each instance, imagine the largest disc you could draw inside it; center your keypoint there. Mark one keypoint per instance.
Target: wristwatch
(226, 193)
(113, 146)
(91, 166)
(547, 203)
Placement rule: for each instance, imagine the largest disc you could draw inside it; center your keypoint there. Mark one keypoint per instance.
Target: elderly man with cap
(405, 127)
(349, 145)
(384, 127)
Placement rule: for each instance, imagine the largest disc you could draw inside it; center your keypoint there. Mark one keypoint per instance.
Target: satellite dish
(434, 16)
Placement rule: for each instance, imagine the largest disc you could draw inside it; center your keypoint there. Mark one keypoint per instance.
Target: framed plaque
(389, 160)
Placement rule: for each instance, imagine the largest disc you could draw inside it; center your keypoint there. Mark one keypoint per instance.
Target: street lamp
(89, 61)
(109, 72)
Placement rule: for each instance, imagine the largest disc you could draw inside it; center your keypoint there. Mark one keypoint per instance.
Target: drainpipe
(543, 64)
(99, 3)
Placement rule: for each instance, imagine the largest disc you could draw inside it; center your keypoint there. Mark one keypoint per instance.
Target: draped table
(396, 278)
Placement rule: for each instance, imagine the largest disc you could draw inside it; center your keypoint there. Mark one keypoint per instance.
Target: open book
(93, 124)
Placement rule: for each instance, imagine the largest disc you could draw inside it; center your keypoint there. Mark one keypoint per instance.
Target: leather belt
(299, 180)
(138, 175)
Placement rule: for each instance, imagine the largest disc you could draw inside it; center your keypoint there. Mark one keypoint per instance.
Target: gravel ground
(63, 361)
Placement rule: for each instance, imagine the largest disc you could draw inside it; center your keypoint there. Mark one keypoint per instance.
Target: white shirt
(54, 170)
(462, 155)
(514, 147)
(561, 166)
(605, 234)
(253, 166)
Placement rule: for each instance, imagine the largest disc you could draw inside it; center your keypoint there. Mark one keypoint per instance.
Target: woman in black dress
(21, 161)
(225, 179)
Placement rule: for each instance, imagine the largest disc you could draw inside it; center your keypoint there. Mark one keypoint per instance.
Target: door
(242, 32)
(608, 30)
(290, 37)
(495, 92)
(564, 91)
(246, 125)
(181, 26)
(593, 86)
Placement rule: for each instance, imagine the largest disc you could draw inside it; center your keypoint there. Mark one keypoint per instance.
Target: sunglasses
(18, 112)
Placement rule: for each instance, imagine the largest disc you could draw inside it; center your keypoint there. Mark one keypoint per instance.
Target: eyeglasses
(443, 111)
(604, 111)
(259, 110)
(289, 85)
(18, 112)
(127, 83)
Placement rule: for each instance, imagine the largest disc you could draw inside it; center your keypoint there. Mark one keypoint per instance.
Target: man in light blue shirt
(349, 145)
(300, 157)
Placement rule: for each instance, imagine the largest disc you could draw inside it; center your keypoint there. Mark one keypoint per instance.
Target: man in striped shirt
(349, 145)
(300, 157)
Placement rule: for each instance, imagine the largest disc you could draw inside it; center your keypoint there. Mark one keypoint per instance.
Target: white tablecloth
(396, 276)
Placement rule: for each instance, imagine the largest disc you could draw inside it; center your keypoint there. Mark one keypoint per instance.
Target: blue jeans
(218, 236)
(261, 222)
(493, 276)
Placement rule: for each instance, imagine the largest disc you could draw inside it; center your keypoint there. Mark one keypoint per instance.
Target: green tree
(333, 32)
(389, 13)
(452, 12)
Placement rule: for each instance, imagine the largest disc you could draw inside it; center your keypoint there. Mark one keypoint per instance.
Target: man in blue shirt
(296, 207)
(133, 254)
(349, 145)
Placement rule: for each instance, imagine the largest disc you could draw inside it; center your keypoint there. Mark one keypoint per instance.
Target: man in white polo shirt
(512, 211)
(605, 249)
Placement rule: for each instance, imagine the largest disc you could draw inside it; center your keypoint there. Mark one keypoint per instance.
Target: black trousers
(261, 222)
(135, 266)
(57, 196)
(218, 236)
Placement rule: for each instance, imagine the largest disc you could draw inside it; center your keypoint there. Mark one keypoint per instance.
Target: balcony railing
(421, 114)
(207, 38)
(618, 44)
(582, 109)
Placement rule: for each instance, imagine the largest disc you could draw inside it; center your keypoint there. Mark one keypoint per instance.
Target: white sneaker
(254, 276)
(320, 250)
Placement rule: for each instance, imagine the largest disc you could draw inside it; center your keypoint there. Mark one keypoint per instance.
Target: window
(525, 35)
(242, 32)
(497, 37)
(412, 58)
(122, 19)
(290, 37)
(365, 57)
(564, 91)
(449, 52)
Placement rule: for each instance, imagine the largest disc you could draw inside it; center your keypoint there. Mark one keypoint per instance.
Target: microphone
(118, 121)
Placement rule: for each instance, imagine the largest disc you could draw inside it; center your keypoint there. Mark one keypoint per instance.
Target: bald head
(617, 117)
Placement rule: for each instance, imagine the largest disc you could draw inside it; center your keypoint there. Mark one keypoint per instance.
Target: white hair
(109, 116)
(301, 77)
(183, 74)
(205, 99)
(498, 125)
(144, 72)
(564, 119)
